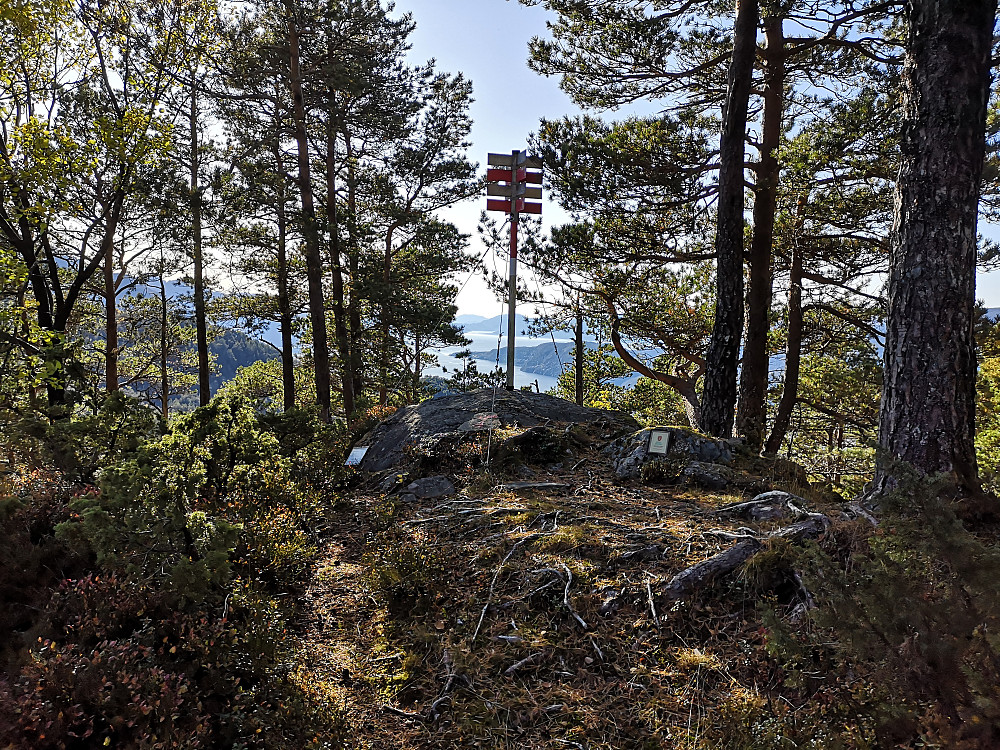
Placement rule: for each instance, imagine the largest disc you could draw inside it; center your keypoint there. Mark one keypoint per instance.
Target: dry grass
(475, 621)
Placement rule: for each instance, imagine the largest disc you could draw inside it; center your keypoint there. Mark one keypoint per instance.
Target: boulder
(430, 488)
(423, 426)
(684, 452)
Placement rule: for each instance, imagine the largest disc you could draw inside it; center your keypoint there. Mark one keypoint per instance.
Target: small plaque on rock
(356, 455)
(659, 441)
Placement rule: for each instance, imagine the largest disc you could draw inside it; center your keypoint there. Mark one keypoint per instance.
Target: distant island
(542, 359)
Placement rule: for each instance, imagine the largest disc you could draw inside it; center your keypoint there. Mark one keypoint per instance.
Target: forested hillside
(757, 510)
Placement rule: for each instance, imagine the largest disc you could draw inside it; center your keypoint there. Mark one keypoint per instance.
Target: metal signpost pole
(508, 180)
(512, 289)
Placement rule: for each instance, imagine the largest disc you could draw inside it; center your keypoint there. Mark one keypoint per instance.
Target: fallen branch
(566, 601)
(523, 663)
(725, 562)
(652, 606)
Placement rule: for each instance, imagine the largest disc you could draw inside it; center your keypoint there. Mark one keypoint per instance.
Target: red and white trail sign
(507, 185)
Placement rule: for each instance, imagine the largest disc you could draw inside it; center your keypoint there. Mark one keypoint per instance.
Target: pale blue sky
(487, 40)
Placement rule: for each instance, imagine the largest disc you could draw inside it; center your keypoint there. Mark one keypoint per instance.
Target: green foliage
(402, 573)
(903, 636)
(175, 638)
(217, 496)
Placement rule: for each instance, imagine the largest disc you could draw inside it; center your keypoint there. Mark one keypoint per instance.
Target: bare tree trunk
(110, 311)
(793, 357)
(580, 353)
(751, 414)
(719, 397)
(200, 317)
(314, 266)
(284, 303)
(354, 305)
(336, 269)
(386, 322)
(164, 370)
(927, 415)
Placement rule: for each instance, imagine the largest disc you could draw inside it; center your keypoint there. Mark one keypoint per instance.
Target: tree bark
(684, 387)
(336, 267)
(110, 311)
(284, 302)
(719, 397)
(314, 265)
(580, 353)
(354, 268)
(164, 369)
(927, 415)
(197, 256)
(751, 414)
(793, 357)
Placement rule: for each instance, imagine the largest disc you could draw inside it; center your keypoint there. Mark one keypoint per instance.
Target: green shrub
(904, 644)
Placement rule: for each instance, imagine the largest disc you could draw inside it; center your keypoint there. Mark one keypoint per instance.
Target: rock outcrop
(423, 426)
(684, 452)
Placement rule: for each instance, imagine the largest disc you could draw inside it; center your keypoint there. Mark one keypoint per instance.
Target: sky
(487, 41)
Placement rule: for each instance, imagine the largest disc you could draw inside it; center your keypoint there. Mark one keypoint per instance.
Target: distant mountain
(537, 360)
(233, 349)
(498, 324)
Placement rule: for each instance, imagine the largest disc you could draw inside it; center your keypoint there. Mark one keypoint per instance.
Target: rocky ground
(548, 583)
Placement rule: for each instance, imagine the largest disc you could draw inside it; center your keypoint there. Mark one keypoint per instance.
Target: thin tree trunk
(386, 322)
(927, 415)
(719, 398)
(354, 305)
(336, 269)
(164, 371)
(751, 414)
(284, 303)
(793, 357)
(200, 317)
(314, 266)
(684, 387)
(110, 312)
(580, 353)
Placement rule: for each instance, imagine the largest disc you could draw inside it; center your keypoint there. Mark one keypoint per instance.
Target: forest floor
(476, 620)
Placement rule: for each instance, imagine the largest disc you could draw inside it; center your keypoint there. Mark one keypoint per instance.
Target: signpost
(507, 183)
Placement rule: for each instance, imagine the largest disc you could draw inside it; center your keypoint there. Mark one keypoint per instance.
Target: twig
(523, 663)
(652, 607)
(566, 601)
(403, 714)
(600, 654)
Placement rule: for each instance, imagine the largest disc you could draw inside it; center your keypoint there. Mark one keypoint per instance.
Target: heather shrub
(902, 649)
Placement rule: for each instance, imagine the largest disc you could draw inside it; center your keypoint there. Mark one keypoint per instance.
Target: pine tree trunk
(751, 414)
(793, 357)
(200, 316)
(927, 415)
(314, 266)
(719, 397)
(580, 353)
(284, 303)
(354, 268)
(110, 315)
(164, 369)
(336, 268)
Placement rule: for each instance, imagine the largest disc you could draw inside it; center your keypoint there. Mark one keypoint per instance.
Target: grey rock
(427, 424)
(709, 476)
(630, 453)
(390, 483)
(430, 488)
(408, 497)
